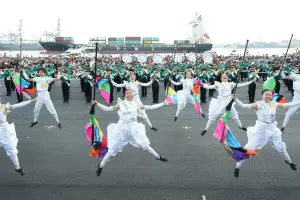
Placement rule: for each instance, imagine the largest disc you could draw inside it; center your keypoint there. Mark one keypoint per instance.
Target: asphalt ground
(58, 166)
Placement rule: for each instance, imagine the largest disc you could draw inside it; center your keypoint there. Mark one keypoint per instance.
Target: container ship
(197, 42)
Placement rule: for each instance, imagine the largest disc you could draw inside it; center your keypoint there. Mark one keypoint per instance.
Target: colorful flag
(270, 84)
(196, 95)
(232, 146)
(171, 96)
(104, 89)
(24, 87)
(99, 147)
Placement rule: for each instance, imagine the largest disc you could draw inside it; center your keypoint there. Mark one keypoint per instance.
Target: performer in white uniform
(185, 96)
(8, 136)
(127, 130)
(295, 77)
(265, 129)
(217, 106)
(134, 86)
(42, 84)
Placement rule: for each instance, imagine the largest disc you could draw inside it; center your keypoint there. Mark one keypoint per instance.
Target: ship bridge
(197, 32)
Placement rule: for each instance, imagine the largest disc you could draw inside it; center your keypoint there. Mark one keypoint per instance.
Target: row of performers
(64, 74)
(144, 76)
(128, 130)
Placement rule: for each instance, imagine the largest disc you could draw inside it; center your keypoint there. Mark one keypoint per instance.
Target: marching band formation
(128, 74)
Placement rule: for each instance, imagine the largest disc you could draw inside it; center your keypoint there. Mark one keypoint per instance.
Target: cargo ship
(198, 41)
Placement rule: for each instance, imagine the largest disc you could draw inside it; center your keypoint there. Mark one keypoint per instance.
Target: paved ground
(58, 166)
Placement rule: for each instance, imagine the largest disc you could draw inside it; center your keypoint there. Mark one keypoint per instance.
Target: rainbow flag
(196, 95)
(26, 91)
(232, 146)
(104, 89)
(171, 96)
(99, 148)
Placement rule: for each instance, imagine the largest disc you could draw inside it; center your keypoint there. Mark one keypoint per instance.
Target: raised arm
(106, 108)
(176, 83)
(145, 84)
(239, 85)
(27, 78)
(118, 85)
(22, 104)
(153, 107)
(287, 105)
(209, 87)
(253, 106)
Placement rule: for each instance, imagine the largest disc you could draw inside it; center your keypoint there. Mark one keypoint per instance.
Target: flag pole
(92, 111)
(20, 63)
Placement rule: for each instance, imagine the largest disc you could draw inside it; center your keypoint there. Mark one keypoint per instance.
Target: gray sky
(225, 21)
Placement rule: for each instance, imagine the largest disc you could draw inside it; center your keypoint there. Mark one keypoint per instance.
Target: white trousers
(289, 114)
(44, 100)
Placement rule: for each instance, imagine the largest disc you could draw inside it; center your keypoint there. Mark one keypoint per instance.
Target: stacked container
(64, 40)
(133, 40)
(101, 40)
(115, 41)
(150, 40)
(181, 42)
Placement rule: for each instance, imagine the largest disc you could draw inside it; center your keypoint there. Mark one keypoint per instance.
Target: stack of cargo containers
(133, 40)
(181, 42)
(115, 41)
(64, 40)
(150, 40)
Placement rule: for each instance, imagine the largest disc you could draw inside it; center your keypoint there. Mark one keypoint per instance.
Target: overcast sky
(225, 21)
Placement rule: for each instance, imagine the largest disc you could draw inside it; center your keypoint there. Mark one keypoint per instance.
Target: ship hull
(25, 47)
(199, 48)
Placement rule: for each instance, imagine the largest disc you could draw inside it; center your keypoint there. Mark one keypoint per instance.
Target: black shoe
(32, 124)
(203, 115)
(236, 172)
(163, 159)
(20, 171)
(99, 170)
(154, 129)
(292, 165)
(203, 132)
(244, 128)
(282, 129)
(175, 119)
(59, 125)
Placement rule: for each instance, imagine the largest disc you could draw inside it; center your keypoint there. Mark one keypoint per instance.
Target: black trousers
(251, 92)
(144, 89)
(82, 84)
(50, 86)
(88, 91)
(118, 80)
(203, 94)
(65, 91)
(166, 81)
(111, 92)
(211, 91)
(155, 91)
(8, 86)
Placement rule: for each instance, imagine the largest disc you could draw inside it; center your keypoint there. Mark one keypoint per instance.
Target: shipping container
(59, 38)
(179, 42)
(68, 38)
(147, 42)
(137, 42)
(129, 42)
(120, 39)
(155, 42)
(112, 42)
(112, 39)
(68, 42)
(120, 42)
(155, 39)
(147, 39)
(132, 38)
(102, 42)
